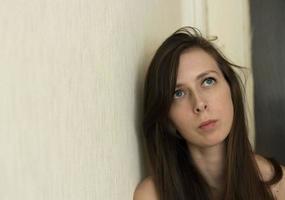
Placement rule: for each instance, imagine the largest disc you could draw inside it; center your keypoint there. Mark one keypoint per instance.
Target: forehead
(195, 61)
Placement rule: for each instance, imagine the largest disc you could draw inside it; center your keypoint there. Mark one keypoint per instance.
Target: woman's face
(202, 108)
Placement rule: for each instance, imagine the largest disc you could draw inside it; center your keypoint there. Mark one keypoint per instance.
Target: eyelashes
(207, 82)
(178, 94)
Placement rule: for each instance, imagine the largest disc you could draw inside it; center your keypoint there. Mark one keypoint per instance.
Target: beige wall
(71, 74)
(70, 81)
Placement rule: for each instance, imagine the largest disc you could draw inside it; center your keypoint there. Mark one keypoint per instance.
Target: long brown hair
(171, 166)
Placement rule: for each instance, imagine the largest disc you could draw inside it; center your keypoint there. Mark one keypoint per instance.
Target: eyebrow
(200, 76)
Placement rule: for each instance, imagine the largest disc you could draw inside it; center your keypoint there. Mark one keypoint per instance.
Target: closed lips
(207, 123)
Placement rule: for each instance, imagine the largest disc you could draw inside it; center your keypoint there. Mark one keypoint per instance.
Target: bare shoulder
(265, 167)
(279, 188)
(267, 172)
(146, 190)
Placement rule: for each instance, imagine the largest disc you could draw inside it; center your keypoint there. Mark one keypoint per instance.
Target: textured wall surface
(70, 81)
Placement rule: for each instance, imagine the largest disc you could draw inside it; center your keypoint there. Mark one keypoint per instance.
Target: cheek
(226, 106)
(181, 117)
(177, 115)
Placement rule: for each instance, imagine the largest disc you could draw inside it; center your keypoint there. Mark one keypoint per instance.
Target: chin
(210, 142)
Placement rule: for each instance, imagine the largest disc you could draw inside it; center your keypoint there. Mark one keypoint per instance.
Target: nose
(200, 105)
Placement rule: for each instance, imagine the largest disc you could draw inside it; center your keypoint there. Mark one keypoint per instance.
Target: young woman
(195, 128)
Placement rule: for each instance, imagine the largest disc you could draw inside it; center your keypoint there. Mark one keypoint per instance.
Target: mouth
(209, 124)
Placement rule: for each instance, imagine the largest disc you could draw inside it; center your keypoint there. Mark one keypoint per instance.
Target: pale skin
(202, 94)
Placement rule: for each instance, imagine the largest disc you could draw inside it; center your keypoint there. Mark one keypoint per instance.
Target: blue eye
(178, 94)
(209, 82)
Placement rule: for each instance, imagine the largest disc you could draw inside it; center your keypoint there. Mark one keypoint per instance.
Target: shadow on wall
(270, 126)
(268, 61)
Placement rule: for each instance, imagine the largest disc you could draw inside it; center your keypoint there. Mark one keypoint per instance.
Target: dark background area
(268, 62)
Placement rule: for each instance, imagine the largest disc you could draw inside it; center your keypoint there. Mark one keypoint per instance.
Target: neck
(211, 164)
